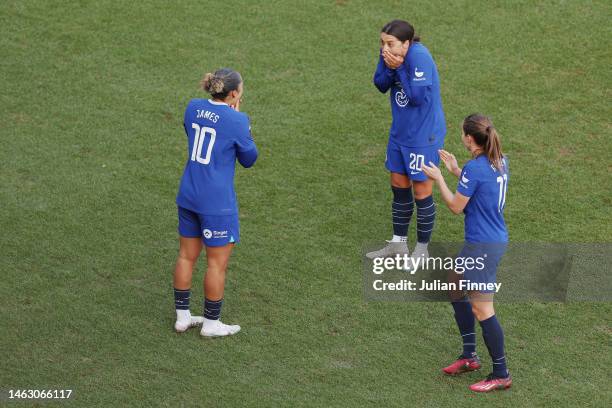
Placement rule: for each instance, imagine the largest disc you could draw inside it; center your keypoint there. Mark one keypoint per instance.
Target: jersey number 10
(198, 142)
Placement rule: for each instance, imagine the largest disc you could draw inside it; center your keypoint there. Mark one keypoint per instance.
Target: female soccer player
(417, 132)
(481, 195)
(217, 134)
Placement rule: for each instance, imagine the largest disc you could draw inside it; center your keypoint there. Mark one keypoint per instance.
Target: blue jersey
(416, 104)
(217, 135)
(484, 213)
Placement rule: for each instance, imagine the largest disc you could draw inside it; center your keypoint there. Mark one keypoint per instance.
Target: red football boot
(492, 383)
(463, 365)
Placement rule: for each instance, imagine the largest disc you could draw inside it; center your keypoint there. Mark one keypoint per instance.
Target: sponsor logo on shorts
(208, 234)
(219, 234)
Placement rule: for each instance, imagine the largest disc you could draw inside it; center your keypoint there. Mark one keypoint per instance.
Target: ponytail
(493, 147)
(485, 136)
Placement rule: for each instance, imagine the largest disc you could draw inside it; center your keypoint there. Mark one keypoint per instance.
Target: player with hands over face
(218, 135)
(408, 72)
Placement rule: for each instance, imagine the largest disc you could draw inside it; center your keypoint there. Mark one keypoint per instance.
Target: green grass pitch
(92, 150)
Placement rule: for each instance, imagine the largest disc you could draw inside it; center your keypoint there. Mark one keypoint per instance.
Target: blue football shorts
(408, 160)
(486, 258)
(215, 230)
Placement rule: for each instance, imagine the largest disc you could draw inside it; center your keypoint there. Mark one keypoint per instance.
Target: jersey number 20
(198, 142)
(416, 161)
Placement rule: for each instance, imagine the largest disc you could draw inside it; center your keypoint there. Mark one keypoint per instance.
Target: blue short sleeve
(468, 180)
(421, 69)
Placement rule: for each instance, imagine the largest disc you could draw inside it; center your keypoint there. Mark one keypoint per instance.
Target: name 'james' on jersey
(217, 135)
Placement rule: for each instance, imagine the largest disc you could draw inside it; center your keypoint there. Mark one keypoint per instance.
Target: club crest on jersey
(400, 98)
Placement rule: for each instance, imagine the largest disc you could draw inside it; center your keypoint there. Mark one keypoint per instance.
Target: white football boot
(214, 328)
(185, 321)
(418, 258)
(391, 249)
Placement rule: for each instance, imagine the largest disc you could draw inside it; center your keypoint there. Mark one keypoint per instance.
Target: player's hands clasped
(392, 61)
(449, 161)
